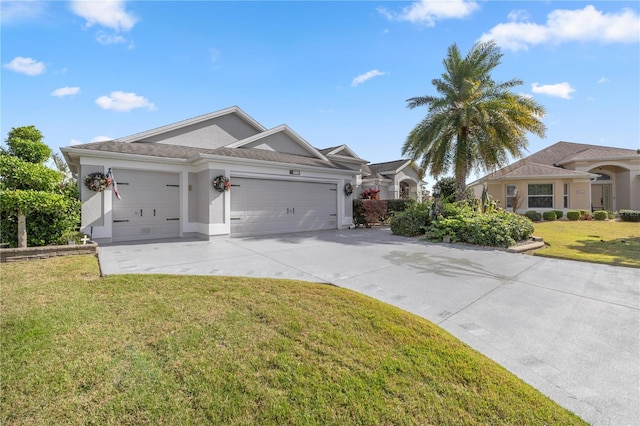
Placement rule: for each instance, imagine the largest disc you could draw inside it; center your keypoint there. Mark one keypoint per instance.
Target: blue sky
(335, 72)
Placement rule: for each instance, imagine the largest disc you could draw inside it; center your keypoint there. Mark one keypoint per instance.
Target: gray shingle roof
(186, 152)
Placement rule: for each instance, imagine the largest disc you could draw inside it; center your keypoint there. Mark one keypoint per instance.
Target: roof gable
(279, 139)
(207, 131)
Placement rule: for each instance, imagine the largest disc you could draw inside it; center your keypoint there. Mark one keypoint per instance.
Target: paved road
(570, 329)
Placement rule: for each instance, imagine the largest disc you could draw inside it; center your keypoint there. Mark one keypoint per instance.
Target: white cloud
(588, 24)
(603, 80)
(110, 14)
(366, 76)
(65, 91)
(104, 38)
(427, 12)
(560, 90)
(19, 11)
(123, 101)
(26, 66)
(75, 142)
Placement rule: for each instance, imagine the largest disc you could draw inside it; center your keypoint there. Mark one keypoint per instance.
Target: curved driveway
(570, 329)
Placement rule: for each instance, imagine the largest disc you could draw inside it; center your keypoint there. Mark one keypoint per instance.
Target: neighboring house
(395, 179)
(568, 176)
(279, 182)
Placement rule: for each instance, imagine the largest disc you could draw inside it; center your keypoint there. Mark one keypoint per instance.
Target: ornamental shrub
(397, 206)
(573, 215)
(584, 215)
(499, 229)
(533, 216)
(374, 211)
(549, 215)
(612, 215)
(601, 215)
(410, 223)
(629, 215)
(559, 213)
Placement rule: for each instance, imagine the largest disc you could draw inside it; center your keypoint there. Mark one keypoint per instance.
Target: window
(566, 195)
(540, 195)
(511, 193)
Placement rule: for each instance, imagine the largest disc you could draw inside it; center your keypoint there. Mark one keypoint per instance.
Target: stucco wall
(280, 142)
(579, 193)
(209, 134)
(623, 190)
(92, 202)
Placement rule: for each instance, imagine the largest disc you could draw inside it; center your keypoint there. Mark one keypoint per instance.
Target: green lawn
(150, 349)
(610, 242)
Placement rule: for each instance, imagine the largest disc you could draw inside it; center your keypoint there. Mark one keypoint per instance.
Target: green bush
(601, 215)
(410, 223)
(397, 206)
(573, 215)
(549, 215)
(559, 213)
(611, 215)
(499, 229)
(533, 216)
(629, 215)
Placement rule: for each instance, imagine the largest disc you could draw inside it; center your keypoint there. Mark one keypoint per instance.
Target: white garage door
(150, 205)
(261, 206)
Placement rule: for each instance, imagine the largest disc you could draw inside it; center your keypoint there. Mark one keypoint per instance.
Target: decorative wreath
(221, 184)
(97, 181)
(348, 189)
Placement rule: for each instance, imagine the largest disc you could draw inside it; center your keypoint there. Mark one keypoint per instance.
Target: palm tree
(475, 122)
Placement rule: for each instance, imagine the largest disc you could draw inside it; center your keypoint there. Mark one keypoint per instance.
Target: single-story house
(568, 176)
(395, 179)
(221, 173)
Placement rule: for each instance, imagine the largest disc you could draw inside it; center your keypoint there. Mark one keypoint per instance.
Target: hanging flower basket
(348, 189)
(97, 181)
(221, 184)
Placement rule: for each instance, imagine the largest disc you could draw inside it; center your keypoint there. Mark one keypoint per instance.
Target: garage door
(262, 206)
(150, 205)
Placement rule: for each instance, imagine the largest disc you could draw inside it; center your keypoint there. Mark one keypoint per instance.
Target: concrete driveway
(570, 329)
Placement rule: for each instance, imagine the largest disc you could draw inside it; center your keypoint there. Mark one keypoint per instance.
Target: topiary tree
(35, 209)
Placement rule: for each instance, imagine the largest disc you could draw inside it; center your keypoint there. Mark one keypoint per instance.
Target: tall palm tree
(476, 122)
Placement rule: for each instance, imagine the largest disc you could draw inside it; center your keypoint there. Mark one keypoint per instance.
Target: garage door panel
(150, 205)
(269, 206)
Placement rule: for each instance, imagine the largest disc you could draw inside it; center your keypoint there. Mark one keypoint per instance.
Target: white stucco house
(278, 181)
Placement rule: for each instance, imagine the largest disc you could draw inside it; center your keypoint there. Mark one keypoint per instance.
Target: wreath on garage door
(97, 181)
(221, 184)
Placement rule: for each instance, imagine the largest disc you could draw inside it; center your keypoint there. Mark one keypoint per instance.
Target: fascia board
(347, 159)
(599, 160)
(191, 121)
(204, 158)
(85, 153)
(542, 177)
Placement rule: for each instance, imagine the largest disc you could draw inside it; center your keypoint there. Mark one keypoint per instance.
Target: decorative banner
(114, 183)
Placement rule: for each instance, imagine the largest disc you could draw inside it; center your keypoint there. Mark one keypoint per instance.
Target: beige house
(568, 176)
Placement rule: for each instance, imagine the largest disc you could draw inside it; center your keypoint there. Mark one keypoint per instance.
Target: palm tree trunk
(22, 230)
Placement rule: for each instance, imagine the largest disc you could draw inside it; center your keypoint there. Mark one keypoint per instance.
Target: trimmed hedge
(559, 213)
(601, 215)
(533, 215)
(549, 216)
(573, 215)
(629, 215)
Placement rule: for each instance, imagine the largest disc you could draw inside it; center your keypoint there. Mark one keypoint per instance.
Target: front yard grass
(152, 349)
(610, 242)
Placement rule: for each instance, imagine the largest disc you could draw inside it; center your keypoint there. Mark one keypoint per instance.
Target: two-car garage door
(264, 206)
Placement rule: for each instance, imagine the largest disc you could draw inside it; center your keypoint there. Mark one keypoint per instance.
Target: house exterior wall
(214, 133)
(279, 142)
(579, 193)
(92, 202)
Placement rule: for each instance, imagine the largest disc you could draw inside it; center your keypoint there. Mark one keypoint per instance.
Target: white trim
(283, 128)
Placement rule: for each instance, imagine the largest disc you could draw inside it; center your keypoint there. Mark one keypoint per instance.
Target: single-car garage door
(150, 205)
(263, 206)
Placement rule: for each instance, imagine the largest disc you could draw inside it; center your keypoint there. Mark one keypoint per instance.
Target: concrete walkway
(570, 329)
